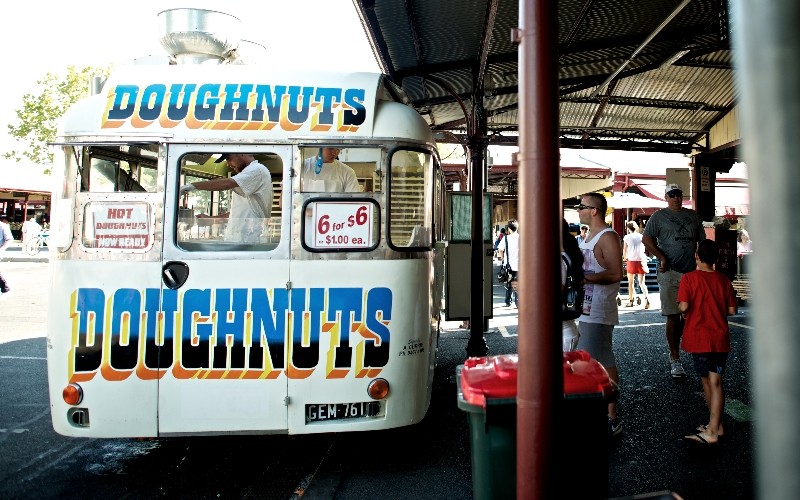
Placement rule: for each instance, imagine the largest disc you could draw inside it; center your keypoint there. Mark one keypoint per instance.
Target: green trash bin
(487, 391)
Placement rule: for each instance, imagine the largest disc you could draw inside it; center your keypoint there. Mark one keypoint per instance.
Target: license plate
(341, 411)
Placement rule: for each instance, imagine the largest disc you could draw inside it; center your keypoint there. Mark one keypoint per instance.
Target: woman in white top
(744, 244)
(636, 262)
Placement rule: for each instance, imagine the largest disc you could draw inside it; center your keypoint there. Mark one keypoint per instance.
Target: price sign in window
(340, 224)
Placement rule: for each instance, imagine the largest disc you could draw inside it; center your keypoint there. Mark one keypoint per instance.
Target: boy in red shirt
(705, 299)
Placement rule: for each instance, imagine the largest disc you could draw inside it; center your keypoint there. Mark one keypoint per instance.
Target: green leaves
(40, 113)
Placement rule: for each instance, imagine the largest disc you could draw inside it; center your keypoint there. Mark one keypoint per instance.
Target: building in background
(25, 192)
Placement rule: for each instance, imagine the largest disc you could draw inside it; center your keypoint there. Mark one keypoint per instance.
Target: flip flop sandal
(699, 439)
(703, 428)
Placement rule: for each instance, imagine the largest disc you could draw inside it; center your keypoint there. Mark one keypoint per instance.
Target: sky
(41, 37)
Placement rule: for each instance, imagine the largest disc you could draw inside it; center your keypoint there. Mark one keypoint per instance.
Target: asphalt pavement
(427, 460)
(650, 459)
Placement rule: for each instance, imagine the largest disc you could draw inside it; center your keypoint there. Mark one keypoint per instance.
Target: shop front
(25, 192)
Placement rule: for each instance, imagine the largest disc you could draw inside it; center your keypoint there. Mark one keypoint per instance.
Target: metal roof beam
(458, 65)
(609, 144)
(572, 85)
(647, 103)
(483, 50)
(704, 65)
(372, 28)
(644, 44)
(573, 31)
(447, 99)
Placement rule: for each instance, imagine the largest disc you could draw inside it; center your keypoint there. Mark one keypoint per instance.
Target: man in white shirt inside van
(251, 197)
(324, 173)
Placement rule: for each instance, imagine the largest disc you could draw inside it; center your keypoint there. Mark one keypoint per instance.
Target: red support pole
(540, 377)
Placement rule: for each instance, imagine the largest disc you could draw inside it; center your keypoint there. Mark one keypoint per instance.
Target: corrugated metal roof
(634, 74)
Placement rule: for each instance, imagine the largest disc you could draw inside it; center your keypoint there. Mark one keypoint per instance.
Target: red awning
(653, 188)
(732, 200)
(729, 198)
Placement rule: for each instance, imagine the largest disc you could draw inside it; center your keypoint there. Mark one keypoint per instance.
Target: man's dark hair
(599, 201)
(708, 251)
(512, 226)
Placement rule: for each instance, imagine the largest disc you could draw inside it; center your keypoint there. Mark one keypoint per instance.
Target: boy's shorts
(708, 362)
(668, 291)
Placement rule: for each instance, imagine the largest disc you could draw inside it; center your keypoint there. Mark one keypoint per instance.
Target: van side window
(411, 184)
(114, 169)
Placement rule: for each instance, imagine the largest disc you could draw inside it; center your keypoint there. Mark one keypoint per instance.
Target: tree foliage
(40, 113)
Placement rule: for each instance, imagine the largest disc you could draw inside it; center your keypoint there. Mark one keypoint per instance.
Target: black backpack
(572, 298)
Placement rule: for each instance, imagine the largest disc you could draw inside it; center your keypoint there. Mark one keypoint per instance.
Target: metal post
(540, 378)
(476, 346)
(766, 49)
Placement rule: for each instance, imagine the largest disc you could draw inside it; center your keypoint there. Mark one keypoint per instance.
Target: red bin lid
(495, 377)
(585, 376)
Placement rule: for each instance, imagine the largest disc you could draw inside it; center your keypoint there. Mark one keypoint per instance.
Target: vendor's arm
(218, 216)
(219, 184)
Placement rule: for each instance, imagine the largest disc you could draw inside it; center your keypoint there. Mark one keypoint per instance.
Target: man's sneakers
(676, 369)
(614, 427)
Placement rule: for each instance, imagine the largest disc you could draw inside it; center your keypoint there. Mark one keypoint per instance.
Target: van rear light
(378, 388)
(72, 394)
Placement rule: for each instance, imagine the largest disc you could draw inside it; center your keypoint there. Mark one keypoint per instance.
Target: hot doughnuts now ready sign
(118, 226)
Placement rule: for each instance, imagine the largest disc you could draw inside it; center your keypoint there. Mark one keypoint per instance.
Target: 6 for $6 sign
(342, 224)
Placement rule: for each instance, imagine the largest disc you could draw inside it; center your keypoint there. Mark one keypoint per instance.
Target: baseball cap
(672, 187)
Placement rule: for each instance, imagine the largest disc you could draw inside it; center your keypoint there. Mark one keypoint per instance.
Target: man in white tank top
(602, 269)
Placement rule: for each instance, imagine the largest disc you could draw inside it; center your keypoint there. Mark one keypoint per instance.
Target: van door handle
(174, 274)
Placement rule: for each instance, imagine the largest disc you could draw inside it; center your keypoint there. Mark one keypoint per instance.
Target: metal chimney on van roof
(249, 52)
(198, 36)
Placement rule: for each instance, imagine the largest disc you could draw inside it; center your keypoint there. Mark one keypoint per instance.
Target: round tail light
(378, 388)
(72, 394)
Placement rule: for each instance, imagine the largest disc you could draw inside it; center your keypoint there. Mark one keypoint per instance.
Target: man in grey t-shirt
(672, 235)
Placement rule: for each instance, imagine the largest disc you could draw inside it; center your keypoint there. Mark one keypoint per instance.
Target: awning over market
(576, 181)
(730, 198)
